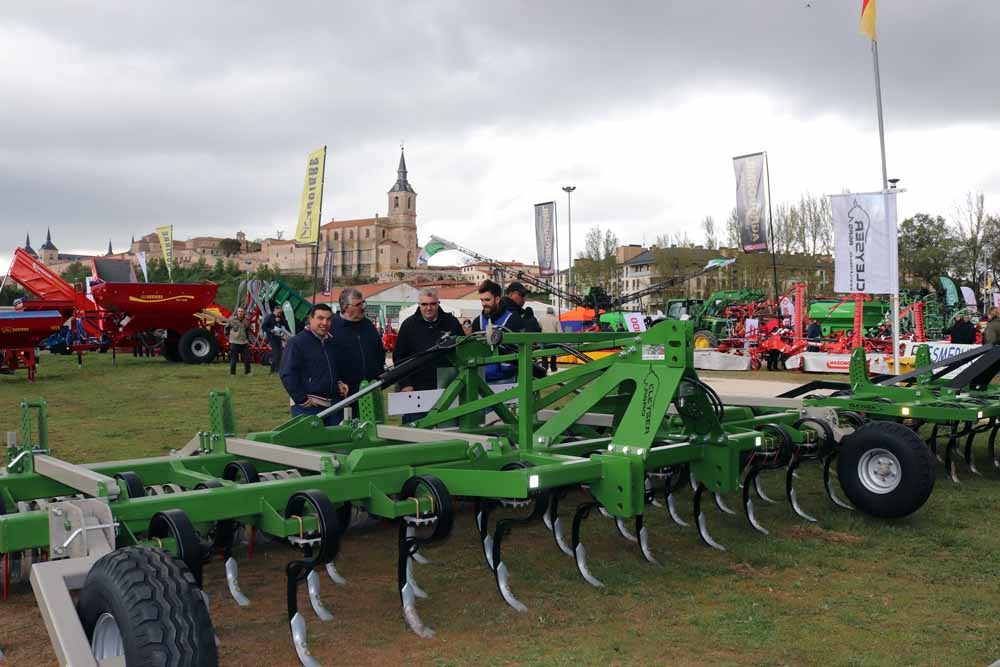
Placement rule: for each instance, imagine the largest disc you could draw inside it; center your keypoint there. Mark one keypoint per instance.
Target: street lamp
(569, 223)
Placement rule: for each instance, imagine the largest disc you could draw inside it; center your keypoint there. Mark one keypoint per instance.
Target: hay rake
(628, 430)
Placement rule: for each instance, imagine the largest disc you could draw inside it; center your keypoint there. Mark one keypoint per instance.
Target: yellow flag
(307, 231)
(868, 19)
(166, 234)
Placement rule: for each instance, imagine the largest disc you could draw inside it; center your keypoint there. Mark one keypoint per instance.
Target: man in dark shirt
(356, 344)
(514, 301)
(276, 329)
(495, 309)
(963, 331)
(308, 369)
(418, 332)
(813, 334)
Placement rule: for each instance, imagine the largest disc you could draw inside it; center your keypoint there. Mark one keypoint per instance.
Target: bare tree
(733, 230)
(708, 226)
(972, 222)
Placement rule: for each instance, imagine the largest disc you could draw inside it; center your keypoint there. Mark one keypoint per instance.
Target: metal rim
(200, 347)
(880, 471)
(107, 640)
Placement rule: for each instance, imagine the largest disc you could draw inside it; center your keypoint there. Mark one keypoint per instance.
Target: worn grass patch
(848, 590)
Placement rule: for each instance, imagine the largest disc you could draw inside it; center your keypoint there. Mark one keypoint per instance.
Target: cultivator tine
(700, 519)
(503, 528)
(932, 441)
(233, 581)
(790, 488)
(992, 445)
(312, 583)
(968, 452)
(623, 531)
(643, 533)
(949, 457)
(831, 492)
(721, 504)
(300, 639)
(482, 512)
(760, 491)
(668, 488)
(407, 588)
(557, 528)
(748, 507)
(579, 552)
(335, 577)
(417, 590)
(417, 556)
(651, 493)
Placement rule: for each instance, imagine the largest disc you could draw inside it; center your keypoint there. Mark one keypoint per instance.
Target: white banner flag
(141, 257)
(866, 259)
(969, 296)
(751, 201)
(545, 237)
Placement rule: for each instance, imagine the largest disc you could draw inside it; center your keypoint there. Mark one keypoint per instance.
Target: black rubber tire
(709, 338)
(241, 470)
(198, 346)
(916, 469)
(171, 348)
(133, 484)
(160, 612)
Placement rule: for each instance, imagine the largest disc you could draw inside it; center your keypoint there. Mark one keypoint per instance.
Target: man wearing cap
(514, 301)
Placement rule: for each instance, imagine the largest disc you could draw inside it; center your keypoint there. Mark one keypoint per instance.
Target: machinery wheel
(885, 469)
(133, 484)
(705, 339)
(171, 348)
(198, 346)
(144, 605)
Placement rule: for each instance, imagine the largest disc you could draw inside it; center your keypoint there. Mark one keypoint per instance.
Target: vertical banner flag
(307, 231)
(865, 243)
(166, 235)
(328, 273)
(545, 237)
(751, 201)
(970, 298)
(868, 19)
(141, 257)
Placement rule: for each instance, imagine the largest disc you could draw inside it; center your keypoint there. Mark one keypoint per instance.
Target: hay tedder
(623, 435)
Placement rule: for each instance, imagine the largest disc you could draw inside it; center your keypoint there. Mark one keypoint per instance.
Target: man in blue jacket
(357, 344)
(309, 369)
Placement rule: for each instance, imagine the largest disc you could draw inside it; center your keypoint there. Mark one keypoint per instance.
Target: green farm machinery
(628, 432)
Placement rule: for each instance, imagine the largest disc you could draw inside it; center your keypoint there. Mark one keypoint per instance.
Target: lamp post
(569, 224)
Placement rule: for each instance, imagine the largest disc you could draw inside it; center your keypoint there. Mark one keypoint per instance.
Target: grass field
(847, 591)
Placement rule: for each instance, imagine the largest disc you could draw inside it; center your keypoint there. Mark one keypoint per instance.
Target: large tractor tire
(142, 604)
(886, 469)
(705, 339)
(171, 347)
(198, 346)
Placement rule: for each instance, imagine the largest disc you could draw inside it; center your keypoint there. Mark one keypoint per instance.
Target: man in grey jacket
(239, 343)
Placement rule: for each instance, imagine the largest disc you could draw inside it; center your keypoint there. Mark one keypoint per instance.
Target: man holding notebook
(308, 371)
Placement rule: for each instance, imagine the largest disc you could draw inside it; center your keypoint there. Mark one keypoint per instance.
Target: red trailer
(20, 334)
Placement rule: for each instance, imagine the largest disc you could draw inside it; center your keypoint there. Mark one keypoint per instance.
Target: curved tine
(233, 581)
(547, 516)
(790, 489)
(700, 520)
(992, 445)
(407, 596)
(483, 523)
(651, 493)
(748, 507)
(579, 552)
(411, 531)
(831, 492)
(693, 480)
(417, 590)
(500, 571)
(949, 459)
(721, 504)
(605, 513)
(968, 452)
(932, 441)
(299, 639)
(312, 584)
(557, 528)
(623, 531)
(672, 510)
(760, 490)
(643, 533)
(335, 577)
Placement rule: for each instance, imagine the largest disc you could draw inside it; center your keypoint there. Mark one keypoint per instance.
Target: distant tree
(733, 230)
(76, 273)
(708, 226)
(927, 247)
(596, 264)
(972, 222)
(230, 247)
(10, 293)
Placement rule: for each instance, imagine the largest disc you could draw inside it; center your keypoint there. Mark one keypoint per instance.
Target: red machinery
(169, 316)
(20, 333)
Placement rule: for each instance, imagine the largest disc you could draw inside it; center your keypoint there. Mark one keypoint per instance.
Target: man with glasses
(418, 332)
(357, 346)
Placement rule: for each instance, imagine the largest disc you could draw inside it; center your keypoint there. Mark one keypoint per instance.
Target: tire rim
(200, 348)
(880, 471)
(107, 641)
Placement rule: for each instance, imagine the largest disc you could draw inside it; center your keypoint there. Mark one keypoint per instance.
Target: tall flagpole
(894, 298)
(770, 229)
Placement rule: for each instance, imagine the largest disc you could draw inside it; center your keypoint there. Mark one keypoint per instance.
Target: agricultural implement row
(630, 432)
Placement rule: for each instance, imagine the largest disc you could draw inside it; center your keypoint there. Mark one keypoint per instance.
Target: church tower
(27, 246)
(50, 254)
(403, 215)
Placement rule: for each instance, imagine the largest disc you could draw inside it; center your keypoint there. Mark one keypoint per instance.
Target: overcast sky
(136, 114)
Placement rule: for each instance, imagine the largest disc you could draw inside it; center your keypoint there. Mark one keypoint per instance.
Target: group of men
(330, 358)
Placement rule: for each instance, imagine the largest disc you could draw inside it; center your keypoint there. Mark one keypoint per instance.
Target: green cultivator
(630, 430)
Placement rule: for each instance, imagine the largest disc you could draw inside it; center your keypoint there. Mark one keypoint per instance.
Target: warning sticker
(653, 353)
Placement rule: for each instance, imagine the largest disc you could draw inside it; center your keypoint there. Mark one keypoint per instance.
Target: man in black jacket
(516, 295)
(356, 344)
(963, 331)
(418, 332)
(276, 328)
(308, 369)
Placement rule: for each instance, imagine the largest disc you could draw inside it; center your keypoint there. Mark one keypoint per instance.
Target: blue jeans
(331, 419)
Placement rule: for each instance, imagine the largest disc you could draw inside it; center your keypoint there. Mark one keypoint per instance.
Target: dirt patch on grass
(816, 533)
